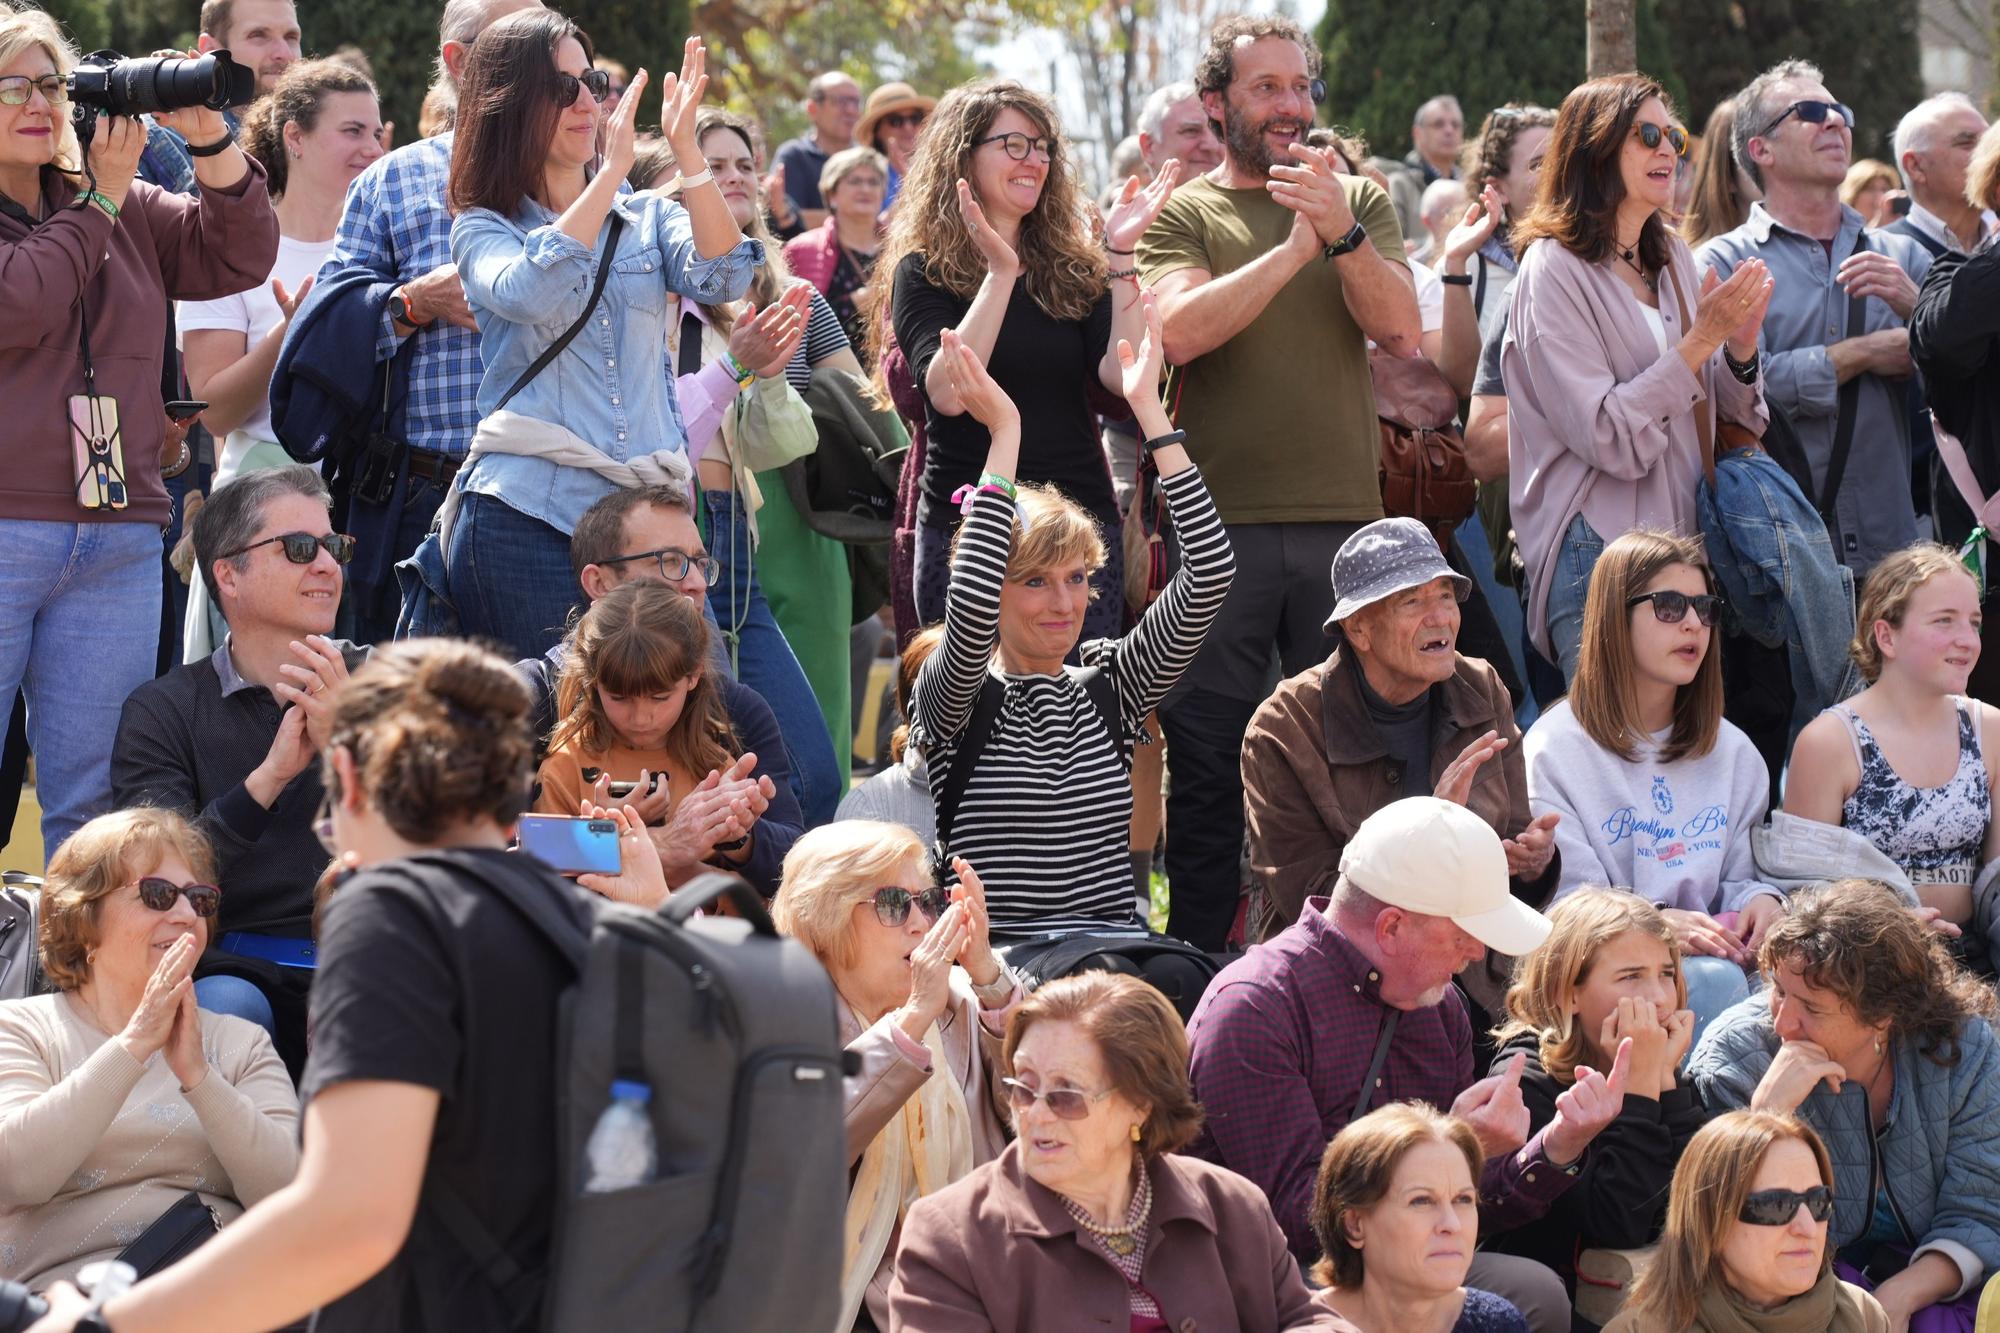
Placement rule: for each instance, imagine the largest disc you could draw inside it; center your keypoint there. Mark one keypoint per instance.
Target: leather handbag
(1424, 474)
(184, 1228)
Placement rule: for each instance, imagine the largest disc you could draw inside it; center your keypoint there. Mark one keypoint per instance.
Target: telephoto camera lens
(19, 1307)
(108, 82)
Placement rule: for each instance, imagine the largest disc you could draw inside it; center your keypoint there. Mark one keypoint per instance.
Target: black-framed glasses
(301, 548)
(1019, 145)
(568, 85)
(1064, 1103)
(1671, 608)
(674, 563)
(16, 89)
(1649, 135)
(897, 120)
(893, 904)
(159, 894)
(1775, 1208)
(1813, 112)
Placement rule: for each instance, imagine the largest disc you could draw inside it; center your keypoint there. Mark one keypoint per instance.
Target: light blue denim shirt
(527, 281)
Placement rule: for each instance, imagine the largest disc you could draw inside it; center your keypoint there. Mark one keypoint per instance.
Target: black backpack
(734, 1026)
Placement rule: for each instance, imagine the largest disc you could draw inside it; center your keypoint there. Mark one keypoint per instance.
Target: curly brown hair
(1215, 70)
(1062, 266)
(1855, 938)
(1490, 155)
(439, 733)
(298, 99)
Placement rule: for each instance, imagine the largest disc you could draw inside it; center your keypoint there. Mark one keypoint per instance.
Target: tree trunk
(1612, 45)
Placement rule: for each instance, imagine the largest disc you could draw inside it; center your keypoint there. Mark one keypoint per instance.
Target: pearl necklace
(1121, 1241)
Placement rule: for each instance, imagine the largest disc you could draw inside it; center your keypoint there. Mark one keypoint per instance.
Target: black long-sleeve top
(1955, 341)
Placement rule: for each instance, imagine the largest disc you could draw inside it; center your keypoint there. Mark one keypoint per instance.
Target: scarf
(926, 1147)
(1830, 1307)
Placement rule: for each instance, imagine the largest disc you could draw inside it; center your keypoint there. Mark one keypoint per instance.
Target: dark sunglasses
(1650, 134)
(159, 894)
(568, 85)
(892, 905)
(1775, 1208)
(896, 120)
(1812, 112)
(1064, 1103)
(302, 547)
(1671, 608)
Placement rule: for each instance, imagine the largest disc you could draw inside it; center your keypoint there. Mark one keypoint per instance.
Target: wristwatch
(399, 310)
(1346, 244)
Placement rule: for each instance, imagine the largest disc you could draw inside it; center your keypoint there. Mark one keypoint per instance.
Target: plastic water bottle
(621, 1152)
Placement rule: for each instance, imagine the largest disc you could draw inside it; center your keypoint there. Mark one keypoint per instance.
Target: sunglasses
(1776, 1208)
(674, 563)
(1812, 112)
(1650, 134)
(1064, 1103)
(302, 547)
(1671, 608)
(569, 85)
(897, 120)
(892, 904)
(159, 894)
(1019, 145)
(16, 89)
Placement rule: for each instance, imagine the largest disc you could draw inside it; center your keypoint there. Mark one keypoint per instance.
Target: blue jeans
(79, 631)
(1713, 985)
(765, 662)
(1568, 587)
(510, 576)
(236, 997)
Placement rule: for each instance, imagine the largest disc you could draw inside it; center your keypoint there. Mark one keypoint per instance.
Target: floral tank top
(1935, 834)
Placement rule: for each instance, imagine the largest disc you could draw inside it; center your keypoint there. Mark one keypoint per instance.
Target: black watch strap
(1346, 244)
(1162, 441)
(212, 150)
(1455, 279)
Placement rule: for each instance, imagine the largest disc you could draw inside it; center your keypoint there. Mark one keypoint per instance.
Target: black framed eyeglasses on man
(1813, 112)
(301, 548)
(674, 563)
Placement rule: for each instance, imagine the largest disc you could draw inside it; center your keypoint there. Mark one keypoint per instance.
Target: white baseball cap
(1437, 858)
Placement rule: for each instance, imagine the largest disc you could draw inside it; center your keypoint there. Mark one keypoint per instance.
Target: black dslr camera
(108, 82)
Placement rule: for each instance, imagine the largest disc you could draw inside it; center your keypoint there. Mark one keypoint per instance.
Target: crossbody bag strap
(1375, 1063)
(554, 349)
(1850, 405)
(978, 732)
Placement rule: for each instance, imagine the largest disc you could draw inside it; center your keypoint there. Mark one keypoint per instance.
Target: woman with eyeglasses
(1656, 790)
(118, 1096)
(537, 171)
(1745, 1248)
(923, 1007)
(1623, 365)
(993, 241)
(90, 261)
(1906, 763)
(1872, 1034)
(1091, 1217)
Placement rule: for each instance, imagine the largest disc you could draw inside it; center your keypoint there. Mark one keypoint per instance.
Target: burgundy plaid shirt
(1281, 1043)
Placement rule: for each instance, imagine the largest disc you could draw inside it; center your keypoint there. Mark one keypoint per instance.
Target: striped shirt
(1045, 815)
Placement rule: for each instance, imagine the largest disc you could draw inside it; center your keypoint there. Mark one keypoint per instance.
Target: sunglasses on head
(1671, 608)
(302, 547)
(159, 894)
(892, 904)
(1064, 1103)
(568, 85)
(1812, 112)
(1776, 1208)
(1650, 134)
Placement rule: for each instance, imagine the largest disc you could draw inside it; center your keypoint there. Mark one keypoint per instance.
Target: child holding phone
(639, 704)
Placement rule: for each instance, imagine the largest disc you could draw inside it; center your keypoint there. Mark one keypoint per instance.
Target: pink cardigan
(1600, 422)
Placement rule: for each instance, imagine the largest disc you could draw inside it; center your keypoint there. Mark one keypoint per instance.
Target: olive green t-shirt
(1281, 417)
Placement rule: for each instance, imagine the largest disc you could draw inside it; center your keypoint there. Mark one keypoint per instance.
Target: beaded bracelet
(1132, 273)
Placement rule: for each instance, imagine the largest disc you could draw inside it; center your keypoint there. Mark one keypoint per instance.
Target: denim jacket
(527, 281)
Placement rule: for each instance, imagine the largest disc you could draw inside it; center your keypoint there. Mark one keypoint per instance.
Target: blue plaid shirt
(397, 224)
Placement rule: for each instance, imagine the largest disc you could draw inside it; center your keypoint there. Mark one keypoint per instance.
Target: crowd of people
(1526, 597)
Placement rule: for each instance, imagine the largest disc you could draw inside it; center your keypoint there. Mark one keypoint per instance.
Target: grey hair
(1351, 902)
(1153, 114)
(461, 22)
(1754, 110)
(232, 515)
(1437, 103)
(1436, 195)
(1913, 131)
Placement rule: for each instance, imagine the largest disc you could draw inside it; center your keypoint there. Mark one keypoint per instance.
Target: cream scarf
(926, 1147)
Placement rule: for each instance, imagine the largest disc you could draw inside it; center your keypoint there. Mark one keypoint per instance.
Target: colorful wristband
(103, 201)
(994, 481)
(964, 496)
(737, 370)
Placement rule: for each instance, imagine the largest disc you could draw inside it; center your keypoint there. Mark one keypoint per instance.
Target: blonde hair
(1051, 531)
(1545, 980)
(1357, 1167)
(1982, 174)
(830, 870)
(103, 856)
(1887, 594)
(1865, 172)
(848, 161)
(1710, 1183)
(1604, 694)
(22, 29)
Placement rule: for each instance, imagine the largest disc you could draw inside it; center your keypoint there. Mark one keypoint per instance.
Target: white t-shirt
(253, 314)
(1430, 297)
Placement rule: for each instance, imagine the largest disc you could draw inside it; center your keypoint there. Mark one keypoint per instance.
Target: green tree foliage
(88, 22)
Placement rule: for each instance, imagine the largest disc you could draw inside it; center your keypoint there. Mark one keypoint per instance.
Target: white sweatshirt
(1677, 834)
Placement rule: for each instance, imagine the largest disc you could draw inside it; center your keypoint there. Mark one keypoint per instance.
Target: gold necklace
(1121, 1241)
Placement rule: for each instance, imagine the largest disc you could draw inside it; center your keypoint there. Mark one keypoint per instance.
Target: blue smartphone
(570, 844)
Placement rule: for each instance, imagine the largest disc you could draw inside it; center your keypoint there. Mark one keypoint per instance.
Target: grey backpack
(732, 1025)
(20, 937)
